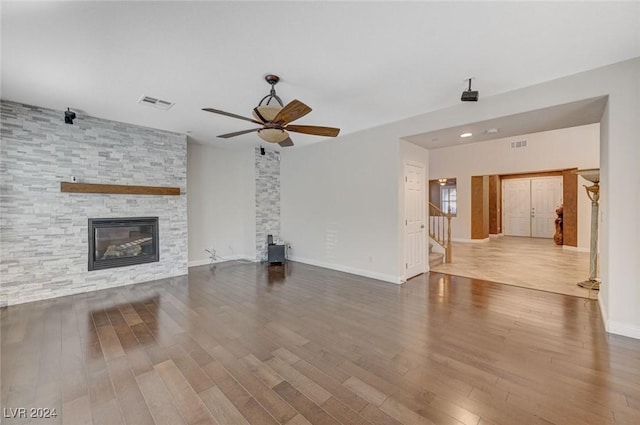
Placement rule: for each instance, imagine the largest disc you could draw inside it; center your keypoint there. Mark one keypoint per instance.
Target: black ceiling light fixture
(469, 95)
(69, 116)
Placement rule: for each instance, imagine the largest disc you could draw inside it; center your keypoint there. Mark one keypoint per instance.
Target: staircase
(440, 232)
(435, 258)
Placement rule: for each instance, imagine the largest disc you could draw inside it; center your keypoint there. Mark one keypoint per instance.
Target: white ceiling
(358, 64)
(583, 112)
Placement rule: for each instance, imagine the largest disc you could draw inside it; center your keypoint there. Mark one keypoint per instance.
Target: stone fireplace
(118, 242)
(46, 227)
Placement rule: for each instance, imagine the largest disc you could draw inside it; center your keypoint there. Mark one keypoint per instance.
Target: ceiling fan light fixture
(273, 135)
(266, 113)
(275, 119)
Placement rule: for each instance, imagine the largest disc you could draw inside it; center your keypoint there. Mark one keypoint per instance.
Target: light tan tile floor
(527, 262)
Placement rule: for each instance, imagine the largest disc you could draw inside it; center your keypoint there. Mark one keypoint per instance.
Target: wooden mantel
(117, 189)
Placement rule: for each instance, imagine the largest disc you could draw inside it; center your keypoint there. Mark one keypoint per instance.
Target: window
(448, 199)
(443, 194)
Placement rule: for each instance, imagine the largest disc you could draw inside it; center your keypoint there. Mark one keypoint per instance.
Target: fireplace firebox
(118, 242)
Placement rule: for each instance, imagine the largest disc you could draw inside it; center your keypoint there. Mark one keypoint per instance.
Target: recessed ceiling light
(463, 135)
(491, 130)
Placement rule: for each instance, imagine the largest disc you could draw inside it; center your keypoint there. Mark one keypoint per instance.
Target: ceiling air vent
(156, 103)
(519, 144)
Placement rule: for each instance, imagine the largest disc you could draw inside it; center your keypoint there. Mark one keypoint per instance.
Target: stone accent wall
(267, 200)
(43, 232)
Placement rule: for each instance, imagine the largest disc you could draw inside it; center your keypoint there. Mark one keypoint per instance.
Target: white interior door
(414, 207)
(546, 196)
(516, 200)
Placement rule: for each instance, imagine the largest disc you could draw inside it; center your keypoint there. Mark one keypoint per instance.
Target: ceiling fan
(275, 118)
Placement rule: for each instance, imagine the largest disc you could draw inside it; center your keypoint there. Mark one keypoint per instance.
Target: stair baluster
(440, 230)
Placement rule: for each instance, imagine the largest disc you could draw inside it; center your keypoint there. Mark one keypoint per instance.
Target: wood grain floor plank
(315, 392)
(312, 345)
(298, 420)
(261, 370)
(130, 315)
(365, 391)
(263, 394)
(451, 409)
(159, 400)
(187, 401)
(77, 411)
(130, 399)
(100, 387)
(336, 389)
(376, 416)
(107, 413)
(222, 409)
(403, 414)
(110, 343)
(196, 377)
(311, 411)
(342, 413)
(241, 399)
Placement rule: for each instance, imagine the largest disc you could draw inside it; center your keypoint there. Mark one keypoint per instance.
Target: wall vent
(519, 144)
(156, 103)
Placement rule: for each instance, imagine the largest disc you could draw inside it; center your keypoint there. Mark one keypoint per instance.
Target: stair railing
(440, 229)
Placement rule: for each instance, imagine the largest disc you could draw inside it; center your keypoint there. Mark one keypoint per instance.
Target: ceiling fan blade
(237, 133)
(291, 112)
(314, 129)
(286, 143)
(229, 114)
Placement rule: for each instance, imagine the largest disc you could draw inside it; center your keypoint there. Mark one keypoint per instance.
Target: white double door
(529, 206)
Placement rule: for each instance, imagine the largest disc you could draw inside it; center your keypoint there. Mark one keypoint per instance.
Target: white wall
(333, 214)
(221, 202)
(340, 204)
(340, 197)
(550, 150)
(619, 158)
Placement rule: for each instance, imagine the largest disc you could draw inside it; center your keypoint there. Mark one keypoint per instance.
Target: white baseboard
(623, 329)
(575, 248)
(352, 270)
(485, 240)
(618, 328)
(604, 313)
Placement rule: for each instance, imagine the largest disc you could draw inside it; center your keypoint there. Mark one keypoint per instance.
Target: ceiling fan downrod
(273, 80)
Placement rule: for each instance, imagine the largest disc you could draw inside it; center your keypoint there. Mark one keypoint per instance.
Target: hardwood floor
(535, 263)
(252, 344)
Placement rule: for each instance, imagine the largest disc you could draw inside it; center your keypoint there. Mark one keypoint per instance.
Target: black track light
(469, 95)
